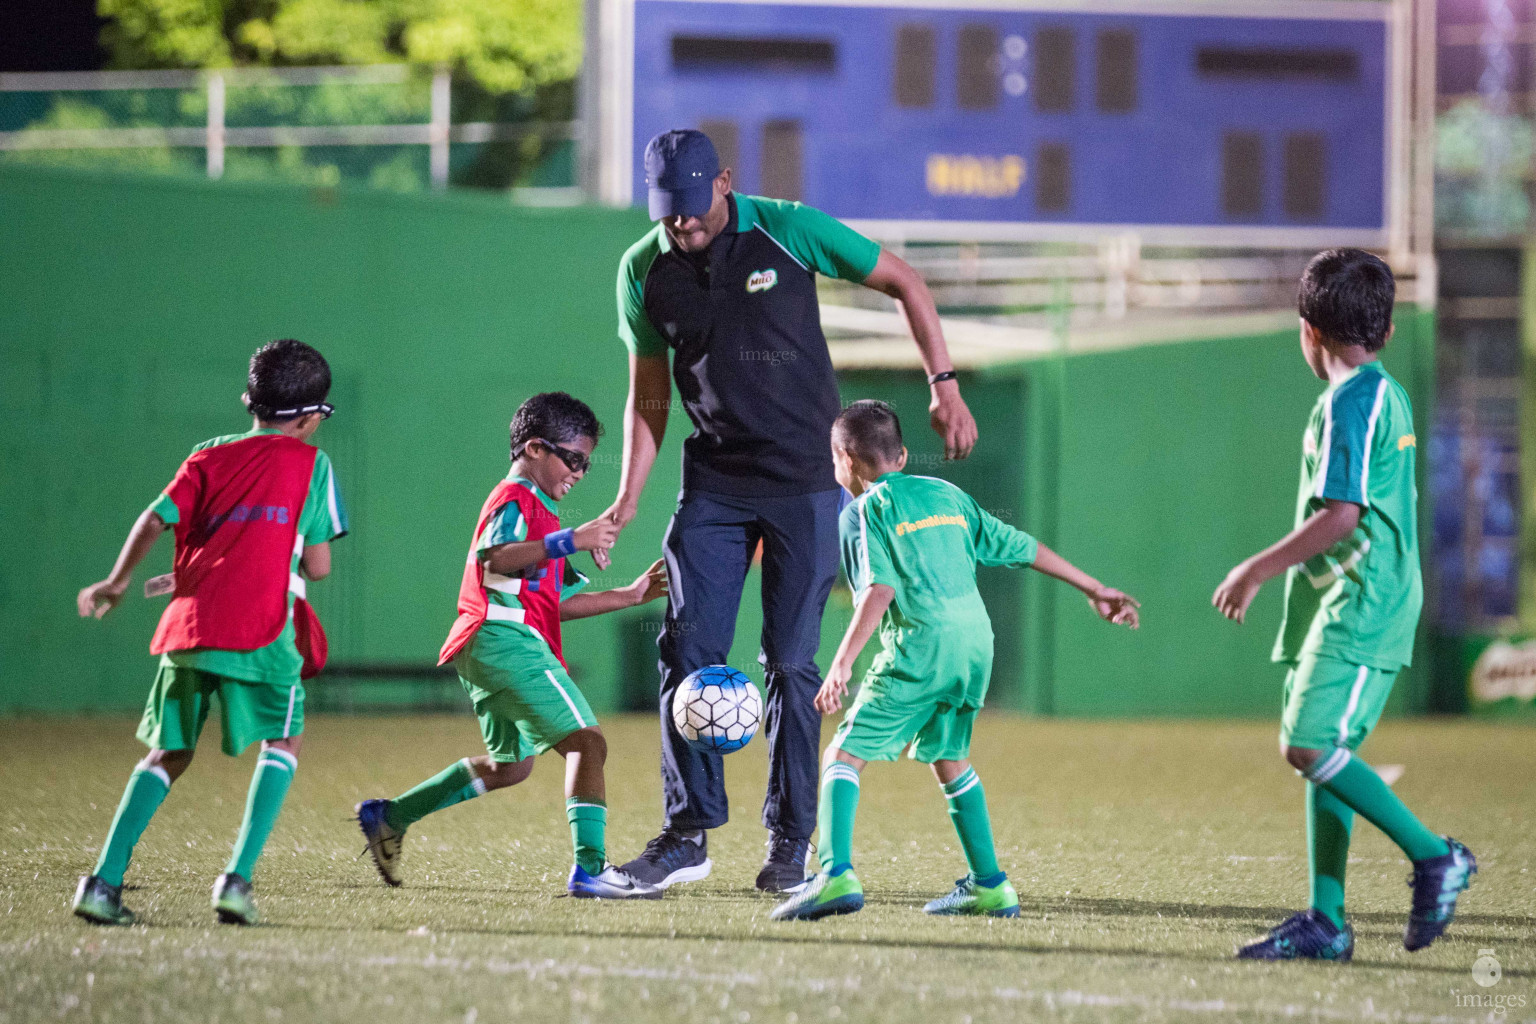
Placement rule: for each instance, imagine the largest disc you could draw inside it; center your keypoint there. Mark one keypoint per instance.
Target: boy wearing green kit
(1352, 599)
(911, 545)
(251, 512)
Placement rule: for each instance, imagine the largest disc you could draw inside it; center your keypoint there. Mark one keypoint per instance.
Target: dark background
(50, 35)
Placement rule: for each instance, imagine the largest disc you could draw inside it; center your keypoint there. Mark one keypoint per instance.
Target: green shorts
(524, 697)
(1332, 703)
(879, 728)
(179, 702)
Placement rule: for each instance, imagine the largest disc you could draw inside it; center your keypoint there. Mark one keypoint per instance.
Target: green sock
(834, 816)
(1358, 786)
(968, 811)
(453, 785)
(269, 786)
(589, 822)
(1329, 821)
(142, 797)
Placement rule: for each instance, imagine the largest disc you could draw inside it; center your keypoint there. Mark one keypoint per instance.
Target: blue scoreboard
(1245, 123)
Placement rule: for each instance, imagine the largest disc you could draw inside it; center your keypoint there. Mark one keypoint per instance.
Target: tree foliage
(505, 46)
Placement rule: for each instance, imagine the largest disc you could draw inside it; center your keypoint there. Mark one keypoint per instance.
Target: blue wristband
(560, 543)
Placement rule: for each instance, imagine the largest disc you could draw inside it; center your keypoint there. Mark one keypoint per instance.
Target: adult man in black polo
(726, 284)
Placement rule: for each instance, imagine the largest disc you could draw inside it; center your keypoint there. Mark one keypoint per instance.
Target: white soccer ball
(717, 708)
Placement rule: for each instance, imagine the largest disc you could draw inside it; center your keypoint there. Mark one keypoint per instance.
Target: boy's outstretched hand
(829, 699)
(651, 584)
(1237, 592)
(98, 599)
(1116, 606)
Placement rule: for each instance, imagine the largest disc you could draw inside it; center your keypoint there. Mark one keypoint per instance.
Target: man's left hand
(952, 420)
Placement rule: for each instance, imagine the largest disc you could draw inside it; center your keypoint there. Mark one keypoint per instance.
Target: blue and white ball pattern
(717, 708)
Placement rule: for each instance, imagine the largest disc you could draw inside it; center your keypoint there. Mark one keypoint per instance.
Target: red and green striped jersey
(517, 510)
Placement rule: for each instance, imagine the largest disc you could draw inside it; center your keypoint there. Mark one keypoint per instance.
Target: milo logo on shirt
(762, 280)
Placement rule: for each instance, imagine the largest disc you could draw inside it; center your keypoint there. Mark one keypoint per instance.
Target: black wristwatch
(946, 375)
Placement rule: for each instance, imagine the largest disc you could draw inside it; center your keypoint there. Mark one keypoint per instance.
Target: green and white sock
(968, 811)
(142, 797)
(589, 824)
(269, 787)
(834, 816)
(1358, 786)
(1329, 822)
(453, 785)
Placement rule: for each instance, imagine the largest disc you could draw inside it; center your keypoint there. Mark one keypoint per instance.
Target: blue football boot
(1308, 935)
(384, 840)
(1436, 882)
(609, 884)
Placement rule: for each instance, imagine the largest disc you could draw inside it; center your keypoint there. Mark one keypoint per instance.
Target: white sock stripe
(970, 783)
(603, 807)
(284, 758)
(479, 784)
(842, 770)
(158, 772)
(1329, 767)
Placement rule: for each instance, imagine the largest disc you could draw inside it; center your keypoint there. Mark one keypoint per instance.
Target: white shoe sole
(697, 873)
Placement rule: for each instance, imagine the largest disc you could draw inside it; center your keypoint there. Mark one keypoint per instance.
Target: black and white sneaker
(670, 858)
(784, 870)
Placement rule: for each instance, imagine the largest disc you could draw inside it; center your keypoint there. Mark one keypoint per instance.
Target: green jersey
(323, 519)
(923, 537)
(1359, 601)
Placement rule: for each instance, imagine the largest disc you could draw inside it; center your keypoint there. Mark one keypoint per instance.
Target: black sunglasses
(574, 461)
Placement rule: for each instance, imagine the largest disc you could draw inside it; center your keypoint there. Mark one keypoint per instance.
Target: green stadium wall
(129, 307)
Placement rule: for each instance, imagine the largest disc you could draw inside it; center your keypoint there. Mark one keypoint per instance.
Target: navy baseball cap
(681, 167)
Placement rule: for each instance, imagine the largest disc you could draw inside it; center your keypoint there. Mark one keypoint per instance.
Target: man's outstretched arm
(948, 413)
(645, 424)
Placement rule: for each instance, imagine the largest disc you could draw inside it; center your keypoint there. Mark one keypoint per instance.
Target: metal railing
(437, 133)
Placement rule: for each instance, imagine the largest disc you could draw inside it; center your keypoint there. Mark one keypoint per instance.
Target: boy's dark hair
(287, 377)
(869, 431)
(1346, 295)
(553, 416)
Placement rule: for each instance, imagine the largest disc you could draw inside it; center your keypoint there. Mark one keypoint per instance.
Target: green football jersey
(923, 537)
(1359, 601)
(323, 519)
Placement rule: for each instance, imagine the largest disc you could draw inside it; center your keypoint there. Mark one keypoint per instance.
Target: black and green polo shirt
(743, 325)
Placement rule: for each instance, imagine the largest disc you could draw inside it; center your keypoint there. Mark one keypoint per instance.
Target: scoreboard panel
(1206, 121)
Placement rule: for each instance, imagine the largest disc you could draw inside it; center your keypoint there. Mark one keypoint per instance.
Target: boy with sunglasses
(518, 586)
(250, 513)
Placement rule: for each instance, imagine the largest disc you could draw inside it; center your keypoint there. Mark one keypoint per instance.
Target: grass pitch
(1143, 854)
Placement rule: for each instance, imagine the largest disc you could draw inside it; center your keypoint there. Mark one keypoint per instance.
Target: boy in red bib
(250, 512)
(518, 585)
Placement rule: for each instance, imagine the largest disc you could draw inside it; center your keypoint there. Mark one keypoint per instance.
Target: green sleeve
(818, 241)
(506, 526)
(866, 552)
(324, 518)
(166, 509)
(575, 582)
(997, 543)
(635, 328)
